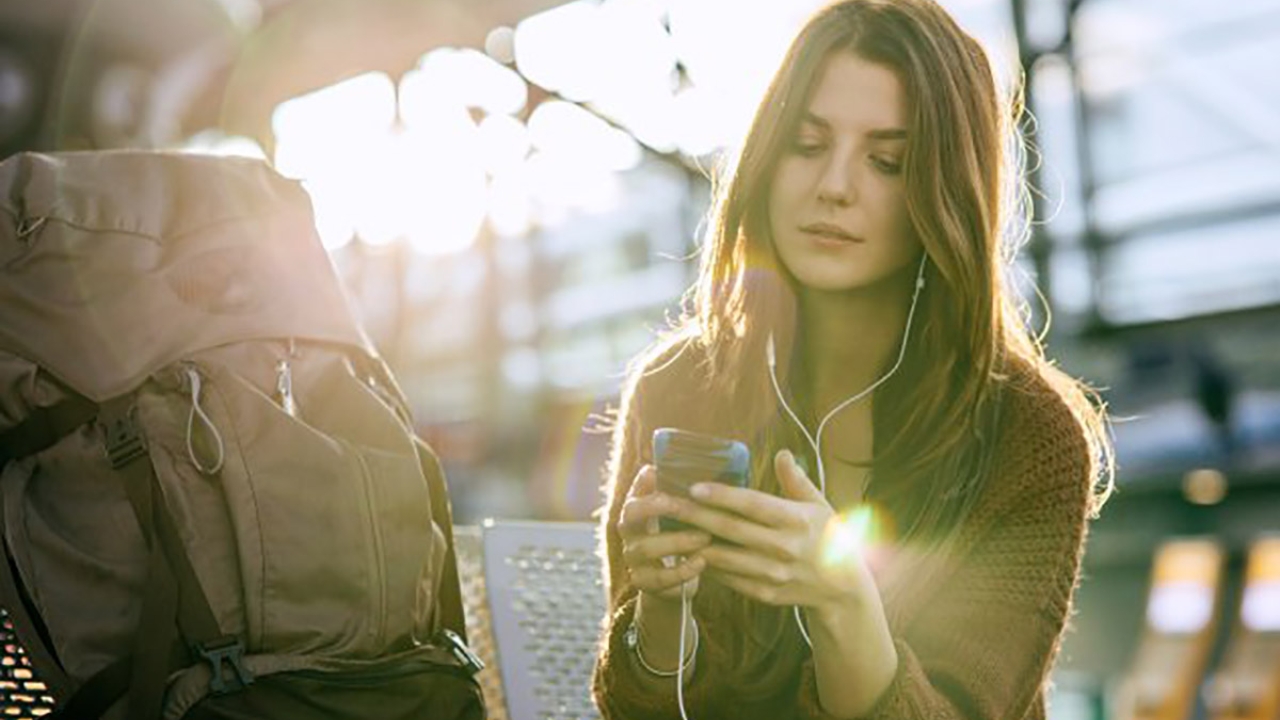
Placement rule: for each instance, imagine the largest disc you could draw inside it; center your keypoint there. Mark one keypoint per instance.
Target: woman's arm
(786, 551)
(982, 646)
(622, 688)
(854, 658)
(985, 644)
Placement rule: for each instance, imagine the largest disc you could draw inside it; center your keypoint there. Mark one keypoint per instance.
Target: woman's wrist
(653, 636)
(839, 613)
(852, 639)
(658, 610)
(657, 621)
(683, 667)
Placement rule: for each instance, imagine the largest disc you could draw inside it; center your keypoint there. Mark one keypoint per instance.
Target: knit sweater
(977, 623)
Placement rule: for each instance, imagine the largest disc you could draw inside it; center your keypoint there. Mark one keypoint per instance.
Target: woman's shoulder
(674, 363)
(1042, 443)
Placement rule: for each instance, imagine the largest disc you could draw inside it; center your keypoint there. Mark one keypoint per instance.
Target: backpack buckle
(227, 650)
(123, 441)
(461, 652)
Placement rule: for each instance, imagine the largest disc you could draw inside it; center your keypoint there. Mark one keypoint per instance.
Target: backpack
(212, 499)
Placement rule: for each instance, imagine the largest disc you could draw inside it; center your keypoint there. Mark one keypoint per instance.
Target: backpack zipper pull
(284, 388)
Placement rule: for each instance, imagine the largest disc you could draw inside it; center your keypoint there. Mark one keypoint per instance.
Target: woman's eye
(806, 148)
(888, 166)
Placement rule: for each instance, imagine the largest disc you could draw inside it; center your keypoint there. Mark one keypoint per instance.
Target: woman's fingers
(661, 578)
(652, 548)
(761, 508)
(732, 527)
(637, 513)
(646, 481)
(792, 480)
(643, 505)
(748, 564)
(757, 590)
(658, 563)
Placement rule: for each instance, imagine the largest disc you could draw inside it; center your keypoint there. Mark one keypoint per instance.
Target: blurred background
(511, 190)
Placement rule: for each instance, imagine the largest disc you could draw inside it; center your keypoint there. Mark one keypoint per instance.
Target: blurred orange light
(1204, 486)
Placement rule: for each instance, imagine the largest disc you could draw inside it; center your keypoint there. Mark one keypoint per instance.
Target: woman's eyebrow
(888, 133)
(809, 118)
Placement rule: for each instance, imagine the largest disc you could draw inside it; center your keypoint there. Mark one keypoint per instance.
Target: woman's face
(837, 208)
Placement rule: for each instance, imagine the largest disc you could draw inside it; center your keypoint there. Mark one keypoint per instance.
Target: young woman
(853, 325)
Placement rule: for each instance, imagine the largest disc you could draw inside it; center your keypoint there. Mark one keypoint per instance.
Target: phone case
(684, 458)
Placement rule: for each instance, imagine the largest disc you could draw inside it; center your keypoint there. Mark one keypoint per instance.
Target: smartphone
(684, 458)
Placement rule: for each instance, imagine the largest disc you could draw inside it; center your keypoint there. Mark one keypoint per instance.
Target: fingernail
(788, 458)
(700, 491)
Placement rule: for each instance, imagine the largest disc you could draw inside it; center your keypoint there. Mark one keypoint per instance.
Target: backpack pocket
(308, 522)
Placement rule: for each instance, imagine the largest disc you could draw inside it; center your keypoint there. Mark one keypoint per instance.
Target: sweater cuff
(895, 703)
(619, 689)
(907, 694)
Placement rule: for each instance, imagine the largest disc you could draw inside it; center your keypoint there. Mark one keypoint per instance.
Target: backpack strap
(452, 615)
(44, 427)
(173, 589)
(41, 430)
(172, 598)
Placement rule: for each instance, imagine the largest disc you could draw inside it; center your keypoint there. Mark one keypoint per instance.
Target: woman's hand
(658, 563)
(779, 557)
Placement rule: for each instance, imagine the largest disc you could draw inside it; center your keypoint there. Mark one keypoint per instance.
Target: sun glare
(848, 536)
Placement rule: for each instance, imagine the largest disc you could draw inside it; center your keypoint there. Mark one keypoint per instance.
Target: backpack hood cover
(142, 257)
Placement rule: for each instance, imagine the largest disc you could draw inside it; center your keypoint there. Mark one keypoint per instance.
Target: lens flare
(850, 536)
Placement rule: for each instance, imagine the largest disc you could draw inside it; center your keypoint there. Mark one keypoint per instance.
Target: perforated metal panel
(546, 602)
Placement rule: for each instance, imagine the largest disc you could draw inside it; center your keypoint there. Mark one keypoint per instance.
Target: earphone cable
(815, 440)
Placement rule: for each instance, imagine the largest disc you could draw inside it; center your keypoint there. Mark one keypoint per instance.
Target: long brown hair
(967, 206)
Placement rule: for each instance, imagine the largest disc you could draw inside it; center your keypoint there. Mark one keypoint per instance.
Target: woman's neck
(851, 338)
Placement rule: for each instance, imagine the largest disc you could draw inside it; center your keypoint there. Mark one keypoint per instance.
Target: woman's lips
(830, 233)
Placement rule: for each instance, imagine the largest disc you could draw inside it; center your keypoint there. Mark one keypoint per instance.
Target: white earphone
(815, 442)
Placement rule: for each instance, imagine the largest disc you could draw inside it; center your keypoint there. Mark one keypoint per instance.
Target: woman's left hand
(778, 558)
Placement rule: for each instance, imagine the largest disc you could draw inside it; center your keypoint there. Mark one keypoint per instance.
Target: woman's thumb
(792, 479)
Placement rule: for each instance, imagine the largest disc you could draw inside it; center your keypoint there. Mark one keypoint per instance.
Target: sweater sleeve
(628, 453)
(618, 689)
(985, 646)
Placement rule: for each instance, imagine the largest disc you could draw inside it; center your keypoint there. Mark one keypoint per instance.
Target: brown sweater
(977, 624)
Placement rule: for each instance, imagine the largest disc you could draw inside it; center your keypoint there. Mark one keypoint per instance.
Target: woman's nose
(836, 186)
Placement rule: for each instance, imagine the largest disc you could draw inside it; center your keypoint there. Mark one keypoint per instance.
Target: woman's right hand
(658, 563)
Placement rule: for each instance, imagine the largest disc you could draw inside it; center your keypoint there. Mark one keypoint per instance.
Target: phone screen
(684, 459)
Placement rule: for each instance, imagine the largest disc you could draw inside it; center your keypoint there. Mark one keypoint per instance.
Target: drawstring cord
(193, 378)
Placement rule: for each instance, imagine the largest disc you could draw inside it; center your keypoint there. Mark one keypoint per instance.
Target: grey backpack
(213, 501)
